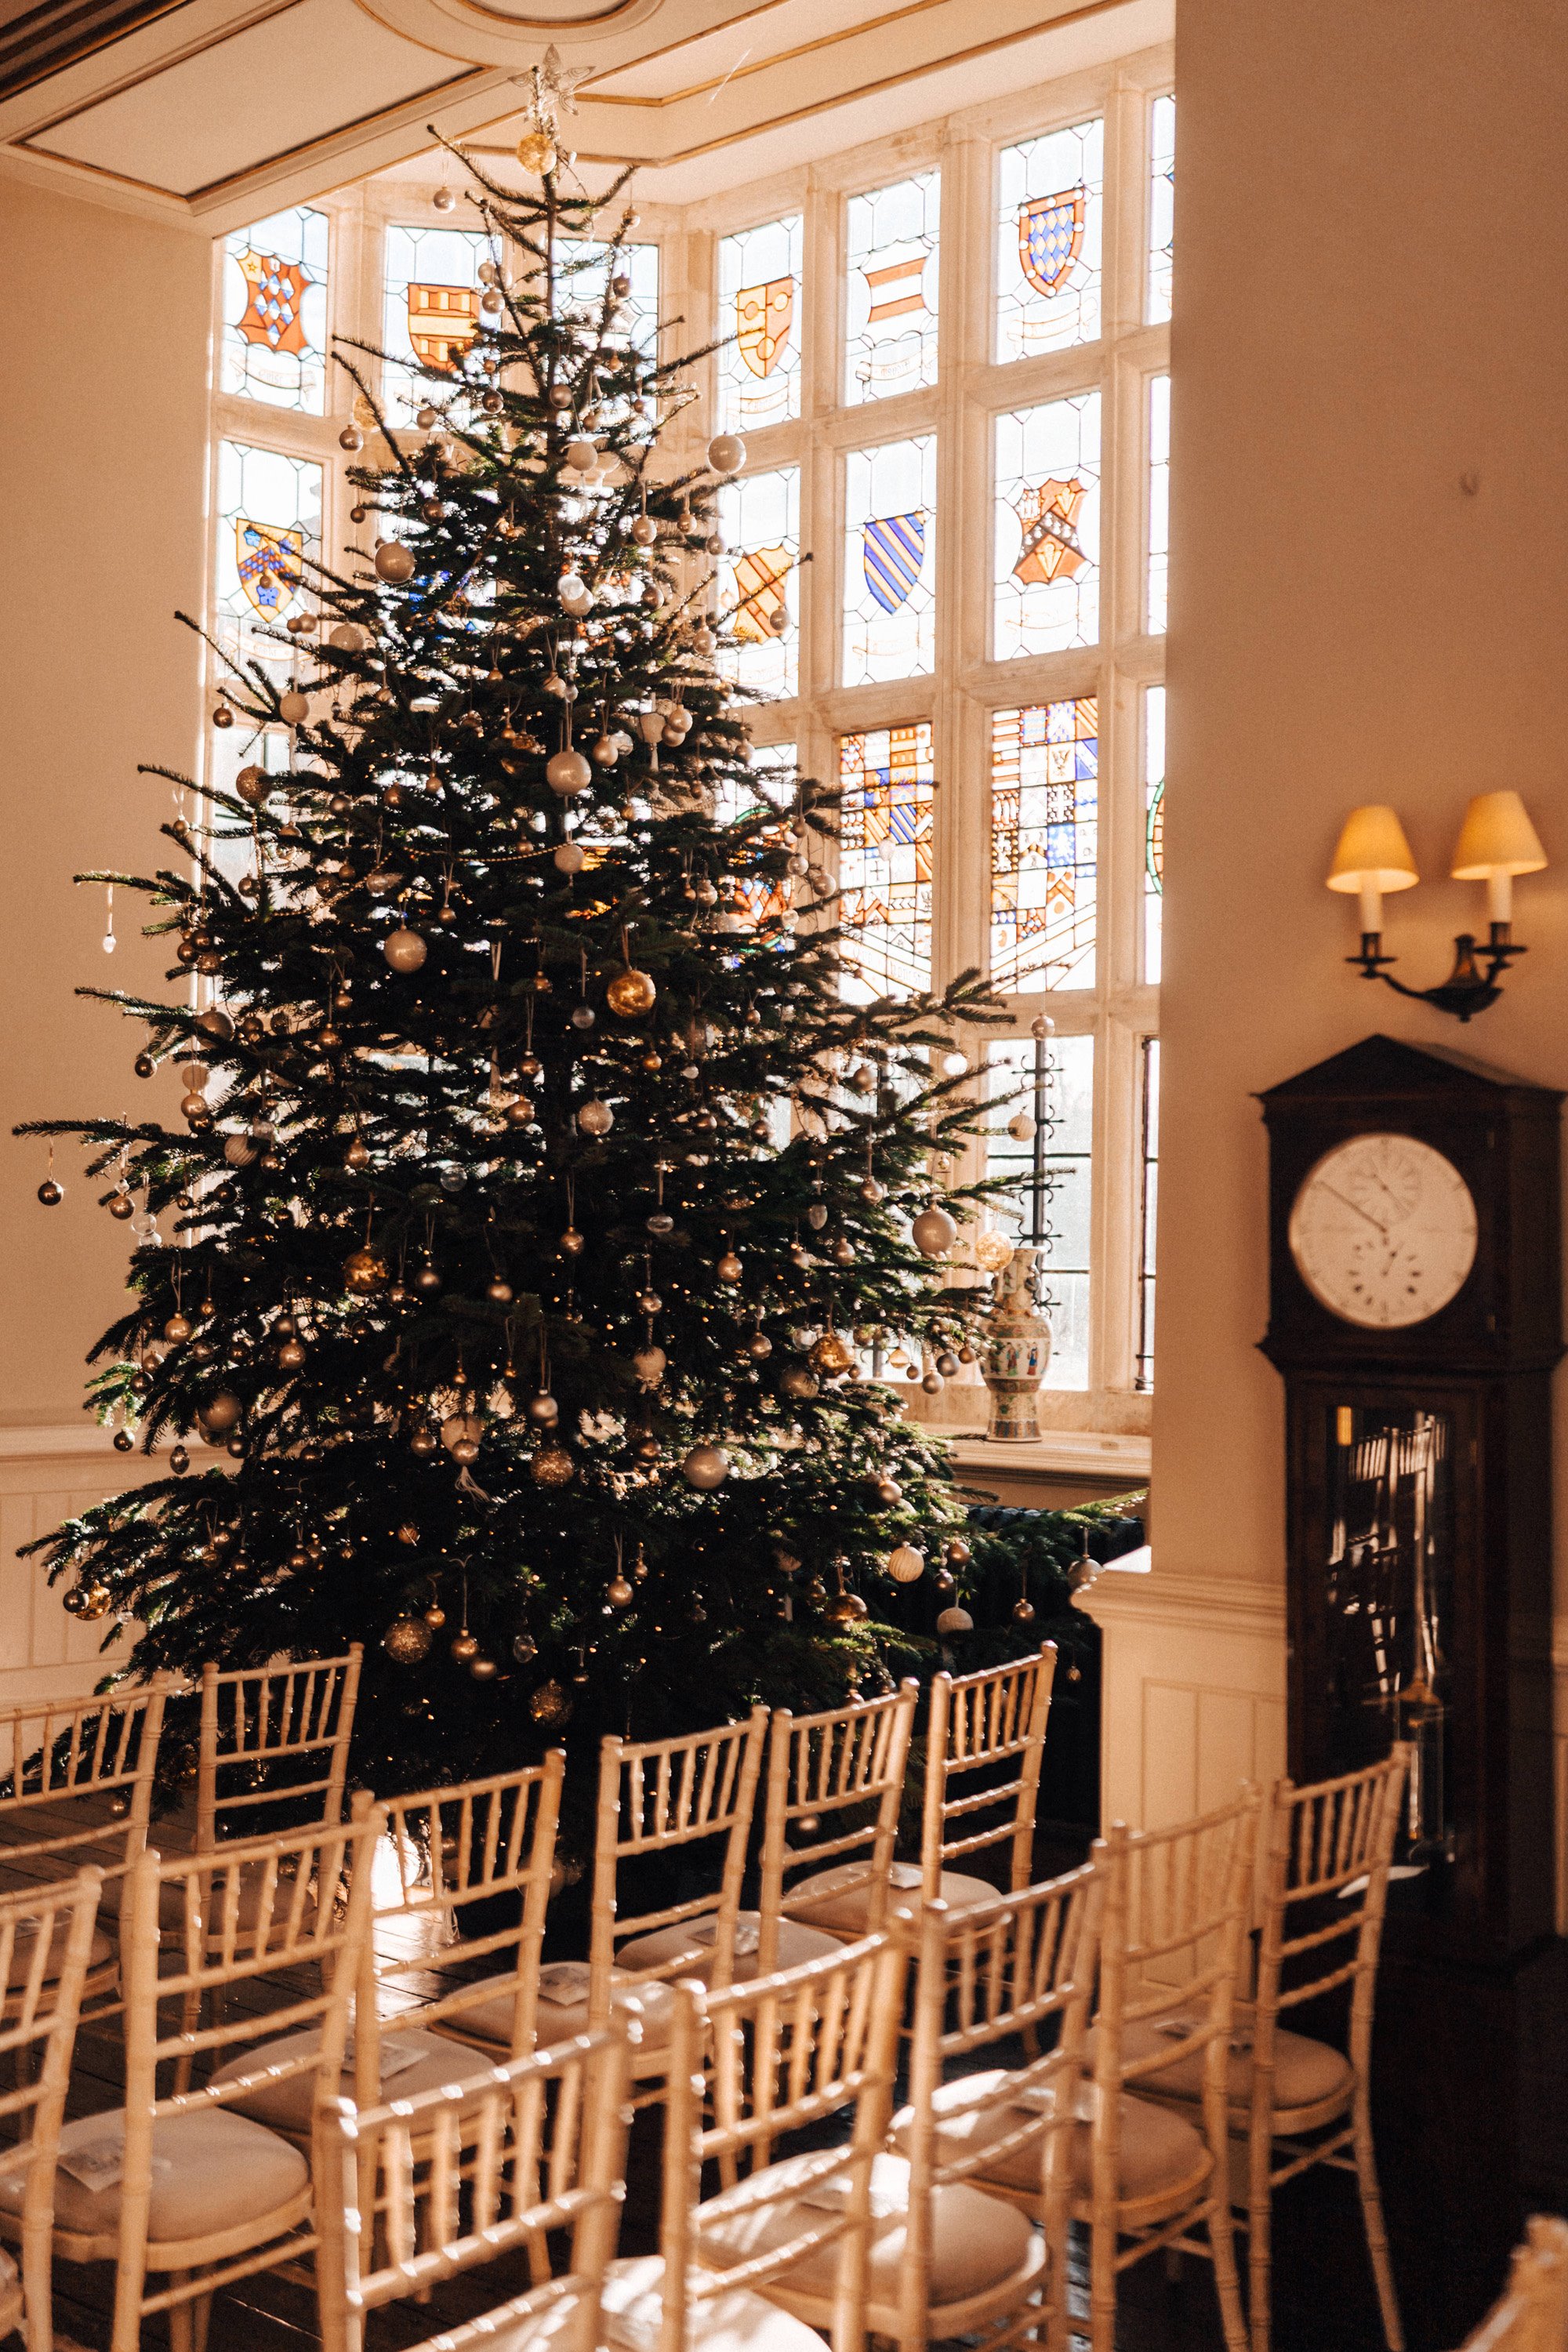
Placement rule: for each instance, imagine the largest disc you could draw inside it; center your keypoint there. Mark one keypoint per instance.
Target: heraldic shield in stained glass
(442, 321)
(1050, 237)
(892, 554)
(763, 317)
(1050, 549)
(1044, 824)
(269, 557)
(890, 291)
(274, 311)
(758, 360)
(761, 611)
(885, 861)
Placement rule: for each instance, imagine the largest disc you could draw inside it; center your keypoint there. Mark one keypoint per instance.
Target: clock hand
(1345, 1201)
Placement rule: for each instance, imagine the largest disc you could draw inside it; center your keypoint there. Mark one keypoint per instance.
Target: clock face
(1383, 1231)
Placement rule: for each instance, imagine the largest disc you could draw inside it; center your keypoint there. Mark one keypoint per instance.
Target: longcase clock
(1416, 1315)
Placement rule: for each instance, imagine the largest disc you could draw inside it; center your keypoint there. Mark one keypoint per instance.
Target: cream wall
(103, 369)
(1369, 601)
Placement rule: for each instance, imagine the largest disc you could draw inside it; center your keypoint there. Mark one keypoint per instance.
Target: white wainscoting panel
(48, 1476)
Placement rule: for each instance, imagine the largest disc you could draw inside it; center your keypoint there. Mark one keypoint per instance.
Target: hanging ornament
(568, 773)
(464, 1646)
(524, 1647)
(993, 1251)
(394, 563)
(905, 1564)
(933, 1232)
(220, 1413)
(363, 1271)
(536, 152)
(443, 200)
(726, 453)
(552, 1466)
(596, 1117)
(109, 939)
(631, 993)
(797, 1382)
(833, 1355)
(728, 1267)
(955, 1619)
(570, 857)
(705, 1467)
(405, 951)
(1021, 1126)
(648, 1364)
(223, 715)
(483, 1670)
(550, 1706)
(1024, 1610)
(407, 1639)
(461, 1434)
(50, 1194)
(846, 1609)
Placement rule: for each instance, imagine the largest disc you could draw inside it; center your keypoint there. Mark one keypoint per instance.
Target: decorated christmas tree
(510, 1300)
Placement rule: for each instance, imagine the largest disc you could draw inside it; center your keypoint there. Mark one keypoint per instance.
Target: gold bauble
(482, 1669)
(993, 1251)
(97, 1601)
(832, 1354)
(553, 1466)
(406, 1640)
(363, 1271)
(728, 1267)
(464, 1646)
(219, 1413)
(550, 1706)
(618, 1592)
(536, 152)
(933, 1232)
(631, 993)
(705, 1467)
(846, 1609)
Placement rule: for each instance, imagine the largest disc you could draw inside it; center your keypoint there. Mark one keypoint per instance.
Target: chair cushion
(976, 2241)
(560, 2017)
(1157, 2150)
(211, 2172)
(409, 2062)
(1304, 2071)
(798, 1944)
(100, 1951)
(840, 1898)
(738, 2321)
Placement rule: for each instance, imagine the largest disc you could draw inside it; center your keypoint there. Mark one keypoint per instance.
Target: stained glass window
(890, 560)
(1059, 1208)
(275, 311)
(1143, 1369)
(1044, 833)
(1049, 231)
(769, 788)
(1047, 527)
(759, 307)
(884, 861)
(1162, 205)
(268, 530)
(759, 520)
(582, 288)
(1154, 827)
(891, 293)
(431, 306)
(1159, 499)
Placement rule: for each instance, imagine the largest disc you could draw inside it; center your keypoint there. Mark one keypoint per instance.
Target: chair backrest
(1020, 1970)
(426, 2188)
(46, 1937)
(1325, 1893)
(655, 1796)
(1533, 2312)
(446, 1850)
(987, 1730)
(1177, 1903)
(76, 1775)
(838, 1778)
(756, 2061)
(282, 1920)
(271, 1737)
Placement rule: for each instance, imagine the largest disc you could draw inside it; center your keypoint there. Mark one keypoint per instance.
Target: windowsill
(1078, 1451)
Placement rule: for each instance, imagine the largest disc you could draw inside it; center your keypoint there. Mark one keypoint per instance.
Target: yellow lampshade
(1373, 854)
(1496, 837)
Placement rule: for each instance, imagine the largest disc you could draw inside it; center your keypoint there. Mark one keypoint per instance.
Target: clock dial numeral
(1384, 1231)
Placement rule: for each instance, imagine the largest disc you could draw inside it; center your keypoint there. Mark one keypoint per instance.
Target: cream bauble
(726, 453)
(905, 1564)
(405, 951)
(934, 1232)
(705, 1467)
(568, 773)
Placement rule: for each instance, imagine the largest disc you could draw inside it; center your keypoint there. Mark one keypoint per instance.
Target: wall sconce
(1496, 842)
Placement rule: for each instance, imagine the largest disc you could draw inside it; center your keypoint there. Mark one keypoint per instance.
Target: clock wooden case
(1416, 1313)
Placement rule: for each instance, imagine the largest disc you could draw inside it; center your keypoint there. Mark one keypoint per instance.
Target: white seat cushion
(1158, 2151)
(977, 2241)
(840, 1898)
(1304, 2071)
(490, 2017)
(798, 1944)
(737, 2321)
(211, 2173)
(410, 2060)
(100, 1952)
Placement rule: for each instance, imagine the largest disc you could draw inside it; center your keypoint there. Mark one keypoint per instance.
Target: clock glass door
(1388, 1594)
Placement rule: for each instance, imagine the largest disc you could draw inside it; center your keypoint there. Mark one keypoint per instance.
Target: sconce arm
(1467, 990)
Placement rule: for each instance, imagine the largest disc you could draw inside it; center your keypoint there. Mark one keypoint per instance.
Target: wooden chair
(1177, 1904)
(445, 1852)
(77, 1780)
(181, 2185)
(47, 1937)
(1533, 2314)
(264, 1731)
(433, 2185)
(1295, 2100)
(660, 1797)
(749, 2067)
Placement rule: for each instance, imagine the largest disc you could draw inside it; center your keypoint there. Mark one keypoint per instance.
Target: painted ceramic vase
(1017, 1350)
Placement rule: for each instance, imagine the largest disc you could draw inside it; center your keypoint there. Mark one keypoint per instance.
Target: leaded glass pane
(759, 314)
(1159, 499)
(884, 861)
(268, 537)
(1143, 1370)
(759, 520)
(892, 295)
(431, 307)
(1162, 205)
(275, 311)
(1153, 827)
(1044, 833)
(768, 789)
(1050, 1194)
(1047, 527)
(890, 560)
(582, 288)
(1049, 231)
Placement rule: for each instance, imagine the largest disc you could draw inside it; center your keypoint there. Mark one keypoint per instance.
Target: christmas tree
(542, 1206)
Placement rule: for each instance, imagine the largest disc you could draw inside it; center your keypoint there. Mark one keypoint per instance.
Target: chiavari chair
(76, 1787)
(445, 1852)
(749, 2068)
(1532, 2315)
(436, 2184)
(47, 1937)
(1297, 2101)
(657, 1798)
(273, 1736)
(180, 2184)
